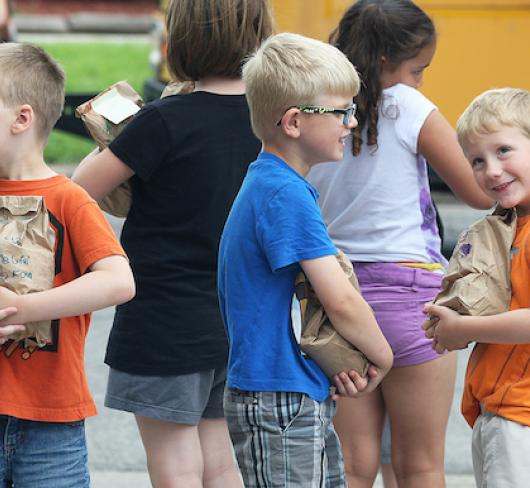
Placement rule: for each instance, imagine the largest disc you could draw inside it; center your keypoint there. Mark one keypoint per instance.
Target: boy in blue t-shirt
(278, 402)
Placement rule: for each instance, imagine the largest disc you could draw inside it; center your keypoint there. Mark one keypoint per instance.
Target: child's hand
(351, 384)
(7, 330)
(444, 329)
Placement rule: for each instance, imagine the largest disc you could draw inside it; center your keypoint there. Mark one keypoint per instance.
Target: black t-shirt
(190, 154)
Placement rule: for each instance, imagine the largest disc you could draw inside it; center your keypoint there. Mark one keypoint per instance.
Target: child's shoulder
(64, 197)
(405, 96)
(274, 176)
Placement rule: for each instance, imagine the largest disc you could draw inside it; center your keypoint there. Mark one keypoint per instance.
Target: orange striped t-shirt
(498, 375)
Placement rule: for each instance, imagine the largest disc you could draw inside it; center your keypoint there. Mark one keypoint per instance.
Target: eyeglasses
(347, 113)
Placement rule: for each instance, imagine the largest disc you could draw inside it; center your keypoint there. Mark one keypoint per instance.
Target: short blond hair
(291, 69)
(30, 76)
(494, 109)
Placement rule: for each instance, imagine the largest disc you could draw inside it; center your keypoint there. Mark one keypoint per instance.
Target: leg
(335, 472)
(504, 447)
(174, 457)
(359, 423)
(220, 468)
(418, 400)
(279, 438)
(47, 455)
(477, 450)
(183, 448)
(4, 475)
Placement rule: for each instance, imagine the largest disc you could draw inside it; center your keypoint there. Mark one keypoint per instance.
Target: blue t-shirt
(274, 224)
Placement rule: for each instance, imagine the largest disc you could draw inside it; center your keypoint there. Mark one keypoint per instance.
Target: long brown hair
(370, 30)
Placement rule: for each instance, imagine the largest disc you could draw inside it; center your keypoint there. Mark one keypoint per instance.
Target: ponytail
(369, 31)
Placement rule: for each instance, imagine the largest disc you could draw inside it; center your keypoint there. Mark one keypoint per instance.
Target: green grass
(90, 68)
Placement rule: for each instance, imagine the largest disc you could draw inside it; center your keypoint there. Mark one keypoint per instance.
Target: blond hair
(494, 109)
(290, 69)
(30, 76)
(213, 37)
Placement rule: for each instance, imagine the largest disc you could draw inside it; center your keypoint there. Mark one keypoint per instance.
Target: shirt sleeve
(91, 236)
(144, 143)
(291, 228)
(414, 108)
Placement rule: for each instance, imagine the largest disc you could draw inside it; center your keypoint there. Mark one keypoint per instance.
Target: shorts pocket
(288, 408)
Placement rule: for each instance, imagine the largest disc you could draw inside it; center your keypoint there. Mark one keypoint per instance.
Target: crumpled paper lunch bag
(104, 131)
(478, 277)
(319, 340)
(27, 260)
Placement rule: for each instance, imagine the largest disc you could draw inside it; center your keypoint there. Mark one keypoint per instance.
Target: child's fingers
(431, 322)
(439, 348)
(349, 384)
(425, 308)
(7, 331)
(6, 312)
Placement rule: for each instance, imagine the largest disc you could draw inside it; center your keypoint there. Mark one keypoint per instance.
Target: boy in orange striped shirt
(494, 132)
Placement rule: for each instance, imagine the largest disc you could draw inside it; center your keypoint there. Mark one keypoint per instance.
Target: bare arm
(109, 282)
(438, 143)
(453, 331)
(7, 330)
(349, 313)
(101, 172)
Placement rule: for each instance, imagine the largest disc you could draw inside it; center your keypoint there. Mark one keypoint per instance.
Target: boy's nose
(493, 168)
(353, 123)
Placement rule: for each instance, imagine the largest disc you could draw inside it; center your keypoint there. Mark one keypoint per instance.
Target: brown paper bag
(27, 261)
(478, 277)
(102, 128)
(104, 123)
(319, 340)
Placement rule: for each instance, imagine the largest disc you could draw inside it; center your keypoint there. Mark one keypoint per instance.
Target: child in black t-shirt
(186, 156)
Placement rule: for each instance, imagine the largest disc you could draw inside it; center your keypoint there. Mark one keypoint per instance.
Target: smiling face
(501, 165)
(409, 72)
(323, 135)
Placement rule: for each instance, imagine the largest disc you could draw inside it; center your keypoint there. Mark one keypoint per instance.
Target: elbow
(124, 291)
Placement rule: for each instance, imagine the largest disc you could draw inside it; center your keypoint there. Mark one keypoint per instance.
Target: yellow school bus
(482, 44)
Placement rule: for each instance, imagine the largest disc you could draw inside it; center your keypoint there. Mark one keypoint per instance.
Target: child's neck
(289, 156)
(26, 169)
(221, 85)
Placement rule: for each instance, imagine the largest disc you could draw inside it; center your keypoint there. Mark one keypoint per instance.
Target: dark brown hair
(213, 37)
(370, 30)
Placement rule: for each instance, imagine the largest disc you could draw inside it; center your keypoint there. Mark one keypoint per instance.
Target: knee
(362, 468)
(170, 474)
(426, 469)
(219, 468)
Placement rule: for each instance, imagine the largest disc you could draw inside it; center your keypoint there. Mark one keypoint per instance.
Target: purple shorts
(397, 295)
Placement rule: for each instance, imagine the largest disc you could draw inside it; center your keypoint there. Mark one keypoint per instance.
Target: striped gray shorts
(284, 440)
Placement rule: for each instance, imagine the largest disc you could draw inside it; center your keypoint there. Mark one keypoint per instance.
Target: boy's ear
(291, 123)
(24, 119)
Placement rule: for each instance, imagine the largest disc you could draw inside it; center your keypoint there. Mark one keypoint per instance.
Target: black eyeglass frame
(347, 113)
